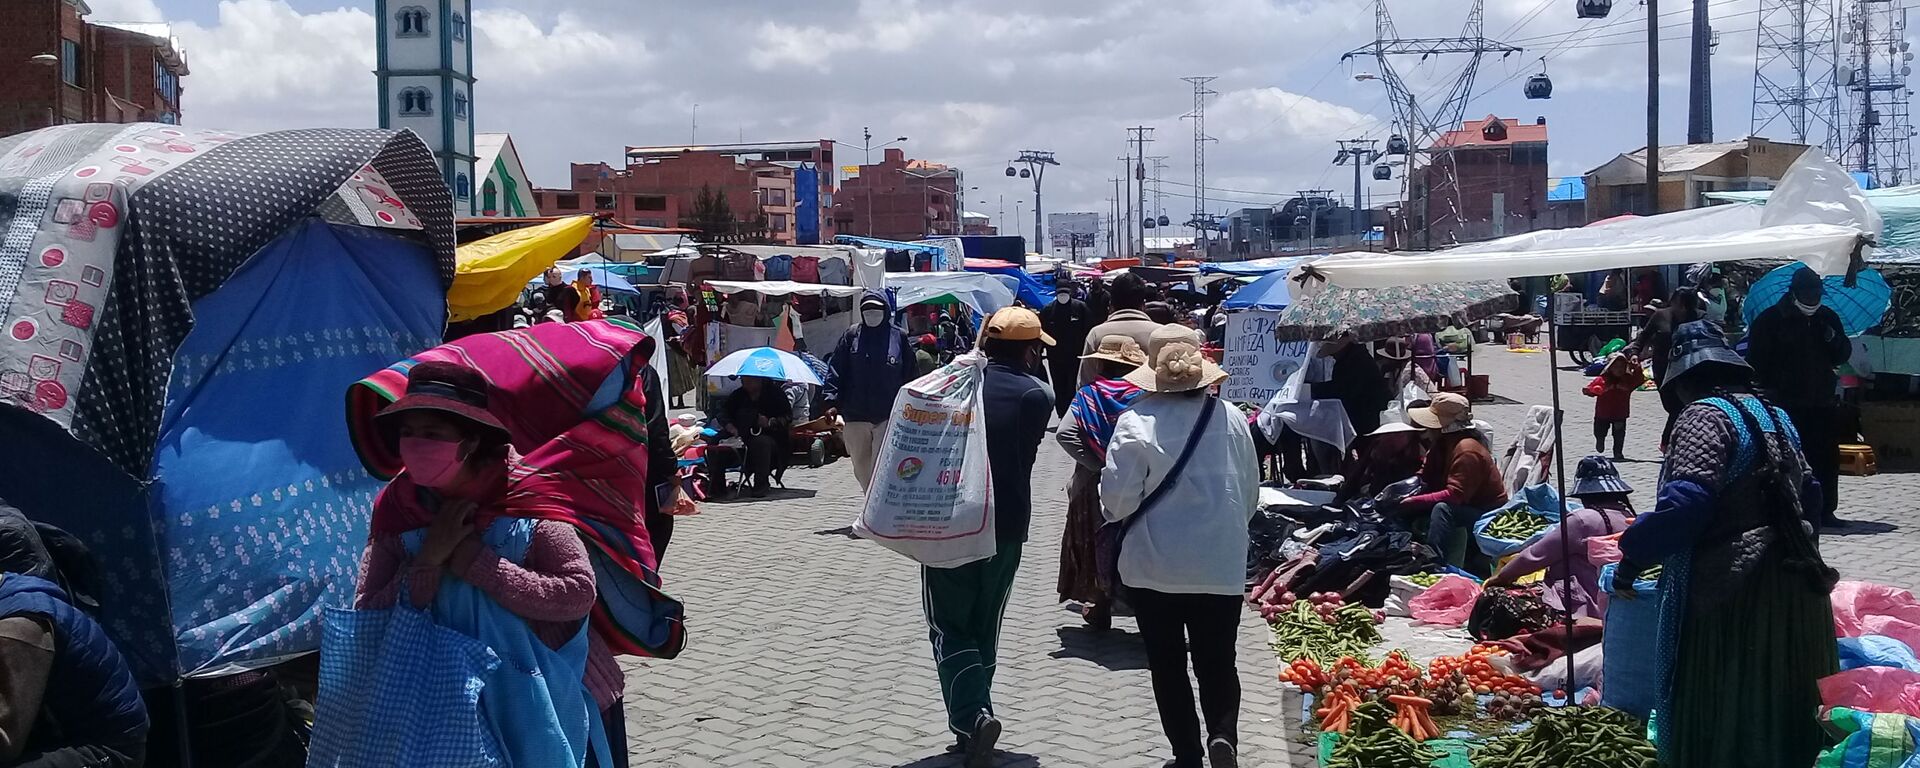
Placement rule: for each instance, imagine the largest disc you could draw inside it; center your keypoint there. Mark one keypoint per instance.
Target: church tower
(425, 73)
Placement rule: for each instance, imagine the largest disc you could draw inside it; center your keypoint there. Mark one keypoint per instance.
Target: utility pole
(1036, 161)
(1126, 208)
(1653, 107)
(1201, 222)
(1424, 122)
(1113, 222)
(1700, 88)
(1359, 153)
(1142, 135)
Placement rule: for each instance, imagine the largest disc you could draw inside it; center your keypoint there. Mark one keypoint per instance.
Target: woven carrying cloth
(110, 233)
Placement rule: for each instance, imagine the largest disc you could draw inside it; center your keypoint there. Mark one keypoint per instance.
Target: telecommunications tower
(1202, 222)
(1425, 121)
(1793, 73)
(1873, 77)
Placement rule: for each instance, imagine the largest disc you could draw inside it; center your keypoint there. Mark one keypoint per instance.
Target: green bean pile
(1516, 524)
(1373, 742)
(1573, 737)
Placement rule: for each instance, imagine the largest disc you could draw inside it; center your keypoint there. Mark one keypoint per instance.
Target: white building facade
(425, 74)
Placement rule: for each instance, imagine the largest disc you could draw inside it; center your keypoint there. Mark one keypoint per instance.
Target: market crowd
(508, 546)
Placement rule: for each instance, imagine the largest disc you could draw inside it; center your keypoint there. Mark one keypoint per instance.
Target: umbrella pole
(1560, 485)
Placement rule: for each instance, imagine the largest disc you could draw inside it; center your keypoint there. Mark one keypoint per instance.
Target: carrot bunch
(1410, 716)
(1337, 715)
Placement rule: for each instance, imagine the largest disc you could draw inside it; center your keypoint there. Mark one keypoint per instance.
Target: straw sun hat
(1118, 348)
(1175, 363)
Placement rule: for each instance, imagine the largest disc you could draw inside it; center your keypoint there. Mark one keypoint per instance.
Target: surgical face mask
(431, 463)
(1060, 298)
(1806, 309)
(873, 317)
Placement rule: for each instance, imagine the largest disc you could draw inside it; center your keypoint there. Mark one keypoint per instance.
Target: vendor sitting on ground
(1384, 456)
(1461, 479)
(1608, 510)
(760, 415)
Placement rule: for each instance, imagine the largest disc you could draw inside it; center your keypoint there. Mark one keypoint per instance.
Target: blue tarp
(1268, 292)
(891, 245)
(607, 276)
(271, 526)
(1031, 290)
(1252, 266)
(1567, 189)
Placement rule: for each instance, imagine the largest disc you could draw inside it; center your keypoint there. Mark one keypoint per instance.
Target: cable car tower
(1424, 123)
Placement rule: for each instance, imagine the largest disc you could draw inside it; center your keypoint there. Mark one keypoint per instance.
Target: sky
(971, 83)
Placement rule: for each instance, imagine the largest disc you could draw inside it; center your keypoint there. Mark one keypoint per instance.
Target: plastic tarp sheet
(489, 274)
(1031, 290)
(260, 505)
(1255, 267)
(1816, 216)
(1899, 208)
(985, 293)
(1268, 292)
(784, 288)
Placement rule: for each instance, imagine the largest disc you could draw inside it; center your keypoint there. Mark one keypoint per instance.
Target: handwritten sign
(1258, 363)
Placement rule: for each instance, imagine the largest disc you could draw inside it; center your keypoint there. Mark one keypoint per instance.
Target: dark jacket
(870, 365)
(743, 410)
(1017, 409)
(1068, 324)
(90, 697)
(1793, 354)
(1359, 386)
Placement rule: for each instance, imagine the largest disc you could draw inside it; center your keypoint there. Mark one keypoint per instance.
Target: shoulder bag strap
(1179, 464)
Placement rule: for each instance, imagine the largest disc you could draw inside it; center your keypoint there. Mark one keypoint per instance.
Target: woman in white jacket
(1183, 554)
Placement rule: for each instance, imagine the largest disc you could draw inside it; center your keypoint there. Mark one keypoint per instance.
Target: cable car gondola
(1592, 9)
(1382, 172)
(1397, 144)
(1147, 223)
(1164, 221)
(1540, 86)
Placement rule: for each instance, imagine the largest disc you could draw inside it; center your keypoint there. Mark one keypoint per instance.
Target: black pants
(1819, 429)
(1205, 625)
(1065, 372)
(1619, 429)
(766, 454)
(89, 756)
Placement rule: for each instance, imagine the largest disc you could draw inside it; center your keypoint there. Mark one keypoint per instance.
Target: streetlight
(46, 60)
(1036, 162)
(866, 145)
(923, 177)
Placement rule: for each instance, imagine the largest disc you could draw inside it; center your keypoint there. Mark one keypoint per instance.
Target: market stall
(1828, 227)
(209, 346)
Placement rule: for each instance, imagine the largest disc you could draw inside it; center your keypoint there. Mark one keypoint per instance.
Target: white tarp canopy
(985, 293)
(1816, 216)
(784, 287)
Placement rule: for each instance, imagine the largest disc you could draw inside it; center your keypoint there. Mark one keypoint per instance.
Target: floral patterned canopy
(1378, 313)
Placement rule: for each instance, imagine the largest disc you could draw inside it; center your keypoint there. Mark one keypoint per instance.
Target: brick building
(809, 165)
(1498, 170)
(56, 67)
(899, 199)
(661, 192)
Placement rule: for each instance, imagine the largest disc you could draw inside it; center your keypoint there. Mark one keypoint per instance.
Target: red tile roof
(1471, 134)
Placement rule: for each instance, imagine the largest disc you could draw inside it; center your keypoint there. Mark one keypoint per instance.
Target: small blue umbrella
(1860, 306)
(765, 362)
(603, 276)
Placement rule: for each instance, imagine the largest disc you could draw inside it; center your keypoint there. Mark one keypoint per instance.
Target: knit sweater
(553, 589)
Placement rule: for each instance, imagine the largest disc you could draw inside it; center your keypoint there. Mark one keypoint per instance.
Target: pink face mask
(432, 463)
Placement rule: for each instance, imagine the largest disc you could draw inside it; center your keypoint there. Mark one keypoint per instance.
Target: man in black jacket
(1356, 382)
(1067, 320)
(964, 604)
(1794, 347)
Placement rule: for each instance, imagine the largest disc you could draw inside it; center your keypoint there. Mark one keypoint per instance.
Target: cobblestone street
(807, 648)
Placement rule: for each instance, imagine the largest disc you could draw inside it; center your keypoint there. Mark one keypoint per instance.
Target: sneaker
(1221, 754)
(986, 731)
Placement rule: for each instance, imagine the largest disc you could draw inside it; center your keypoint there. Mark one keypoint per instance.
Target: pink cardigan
(553, 590)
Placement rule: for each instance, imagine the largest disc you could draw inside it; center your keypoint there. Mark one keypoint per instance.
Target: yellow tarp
(489, 274)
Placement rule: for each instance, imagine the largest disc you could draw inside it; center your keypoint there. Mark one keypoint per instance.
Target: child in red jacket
(1612, 393)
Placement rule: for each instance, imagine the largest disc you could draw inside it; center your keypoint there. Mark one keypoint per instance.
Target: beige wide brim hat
(1175, 363)
(1446, 410)
(1120, 349)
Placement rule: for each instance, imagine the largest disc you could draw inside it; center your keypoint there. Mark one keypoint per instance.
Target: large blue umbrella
(1860, 305)
(1268, 292)
(765, 362)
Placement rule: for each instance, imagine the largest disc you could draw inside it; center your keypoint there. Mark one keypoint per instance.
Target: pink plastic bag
(1602, 550)
(1863, 608)
(1873, 689)
(1447, 603)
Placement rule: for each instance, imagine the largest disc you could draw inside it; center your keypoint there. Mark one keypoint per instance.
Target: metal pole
(1653, 107)
(866, 141)
(1039, 172)
(1560, 472)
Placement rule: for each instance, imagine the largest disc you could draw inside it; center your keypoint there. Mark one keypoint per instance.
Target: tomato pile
(1452, 683)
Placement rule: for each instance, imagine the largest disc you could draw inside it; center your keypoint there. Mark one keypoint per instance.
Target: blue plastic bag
(398, 689)
(1540, 499)
(1630, 670)
(1876, 651)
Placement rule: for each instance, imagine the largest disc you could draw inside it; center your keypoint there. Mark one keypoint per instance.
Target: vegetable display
(1518, 523)
(1372, 741)
(1573, 736)
(1323, 628)
(1425, 580)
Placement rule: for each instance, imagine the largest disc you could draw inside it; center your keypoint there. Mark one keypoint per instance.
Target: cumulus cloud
(971, 82)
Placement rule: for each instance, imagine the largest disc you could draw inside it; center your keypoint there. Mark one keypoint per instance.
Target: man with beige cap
(964, 604)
